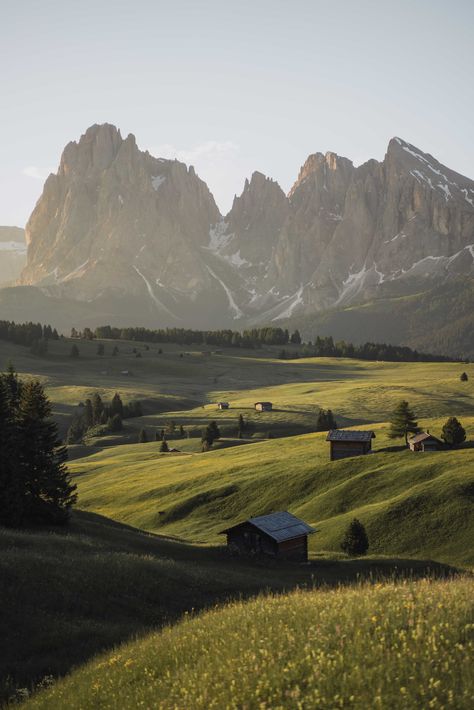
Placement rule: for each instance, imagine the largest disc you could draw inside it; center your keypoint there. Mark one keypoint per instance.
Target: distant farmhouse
(424, 441)
(349, 443)
(223, 405)
(280, 535)
(263, 406)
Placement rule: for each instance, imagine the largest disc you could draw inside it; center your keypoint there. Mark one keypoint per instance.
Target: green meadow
(144, 548)
(393, 645)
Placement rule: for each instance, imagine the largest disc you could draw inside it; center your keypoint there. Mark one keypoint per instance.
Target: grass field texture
(393, 645)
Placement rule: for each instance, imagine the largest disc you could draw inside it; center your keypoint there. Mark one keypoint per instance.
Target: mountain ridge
(116, 223)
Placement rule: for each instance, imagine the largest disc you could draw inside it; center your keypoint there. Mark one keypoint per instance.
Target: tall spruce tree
(48, 492)
(11, 499)
(402, 422)
(116, 406)
(97, 408)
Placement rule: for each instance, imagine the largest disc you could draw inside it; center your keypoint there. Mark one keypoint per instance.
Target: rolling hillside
(319, 649)
(412, 504)
(103, 581)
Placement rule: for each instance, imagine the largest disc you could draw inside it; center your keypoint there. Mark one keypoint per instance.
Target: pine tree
(76, 430)
(100, 350)
(296, 338)
(74, 353)
(48, 493)
(115, 351)
(164, 449)
(355, 541)
(88, 415)
(115, 423)
(464, 377)
(453, 432)
(11, 498)
(97, 408)
(142, 437)
(402, 421)
(116, 406)
(214, 429)
(241, 426)
(181, 431)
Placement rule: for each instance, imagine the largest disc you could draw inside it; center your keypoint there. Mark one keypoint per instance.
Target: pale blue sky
(232, 87)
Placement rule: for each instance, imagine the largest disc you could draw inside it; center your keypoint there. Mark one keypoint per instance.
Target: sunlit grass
(391, 645)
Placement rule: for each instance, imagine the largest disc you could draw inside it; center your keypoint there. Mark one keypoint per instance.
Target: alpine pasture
(145, 545)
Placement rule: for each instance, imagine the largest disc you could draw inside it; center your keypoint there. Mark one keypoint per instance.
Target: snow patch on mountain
(157, 181)
(232, 304)
(152, 294)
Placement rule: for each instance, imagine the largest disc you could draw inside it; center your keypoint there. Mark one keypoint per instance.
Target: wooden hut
(349, 443)
(263, 406)
(280, 535)
(223, 405)
(424, 441)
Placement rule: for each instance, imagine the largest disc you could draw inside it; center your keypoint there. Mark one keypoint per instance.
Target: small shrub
(355, 540)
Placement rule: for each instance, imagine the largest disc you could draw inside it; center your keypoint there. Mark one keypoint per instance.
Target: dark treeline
(326, 347)
(255, 337)
(26, 333)
(36, 335)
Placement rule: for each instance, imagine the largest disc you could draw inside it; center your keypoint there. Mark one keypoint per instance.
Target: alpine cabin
(344, 444)
(279, 535)
(263, 406)
(223, 405)
(424, 441)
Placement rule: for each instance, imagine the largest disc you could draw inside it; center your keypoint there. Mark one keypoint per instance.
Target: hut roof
(423, 436)
(342, 435)
(262, 403)
(279, 526)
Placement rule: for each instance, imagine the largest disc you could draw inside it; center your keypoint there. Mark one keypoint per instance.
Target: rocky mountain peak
(95, 150)
(118, 224)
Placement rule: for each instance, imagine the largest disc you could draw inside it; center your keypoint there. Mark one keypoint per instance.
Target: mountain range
(123, 237)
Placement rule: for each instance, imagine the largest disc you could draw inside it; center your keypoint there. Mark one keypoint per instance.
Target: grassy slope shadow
(68, 595)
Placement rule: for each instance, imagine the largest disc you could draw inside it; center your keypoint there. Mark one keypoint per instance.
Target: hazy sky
(232, 87)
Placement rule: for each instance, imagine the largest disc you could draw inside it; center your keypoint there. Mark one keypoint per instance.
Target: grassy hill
(398, 645)
(67, 594)
(184, 385)
(412, 504)
(70, 594)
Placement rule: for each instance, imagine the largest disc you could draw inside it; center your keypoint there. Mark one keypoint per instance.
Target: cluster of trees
(34, 480)
(210, 434)
(326, 347)
(403, 422)
(325, 421)
(95, 412)
(32, 335)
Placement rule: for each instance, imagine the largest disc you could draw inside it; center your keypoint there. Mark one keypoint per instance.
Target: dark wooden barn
(349, 443)
(279, 534)
(263, 406)
(424, 441)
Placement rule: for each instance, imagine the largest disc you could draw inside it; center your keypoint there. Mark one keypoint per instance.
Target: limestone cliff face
(382, 229)
(116, 223)
(115, 219)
